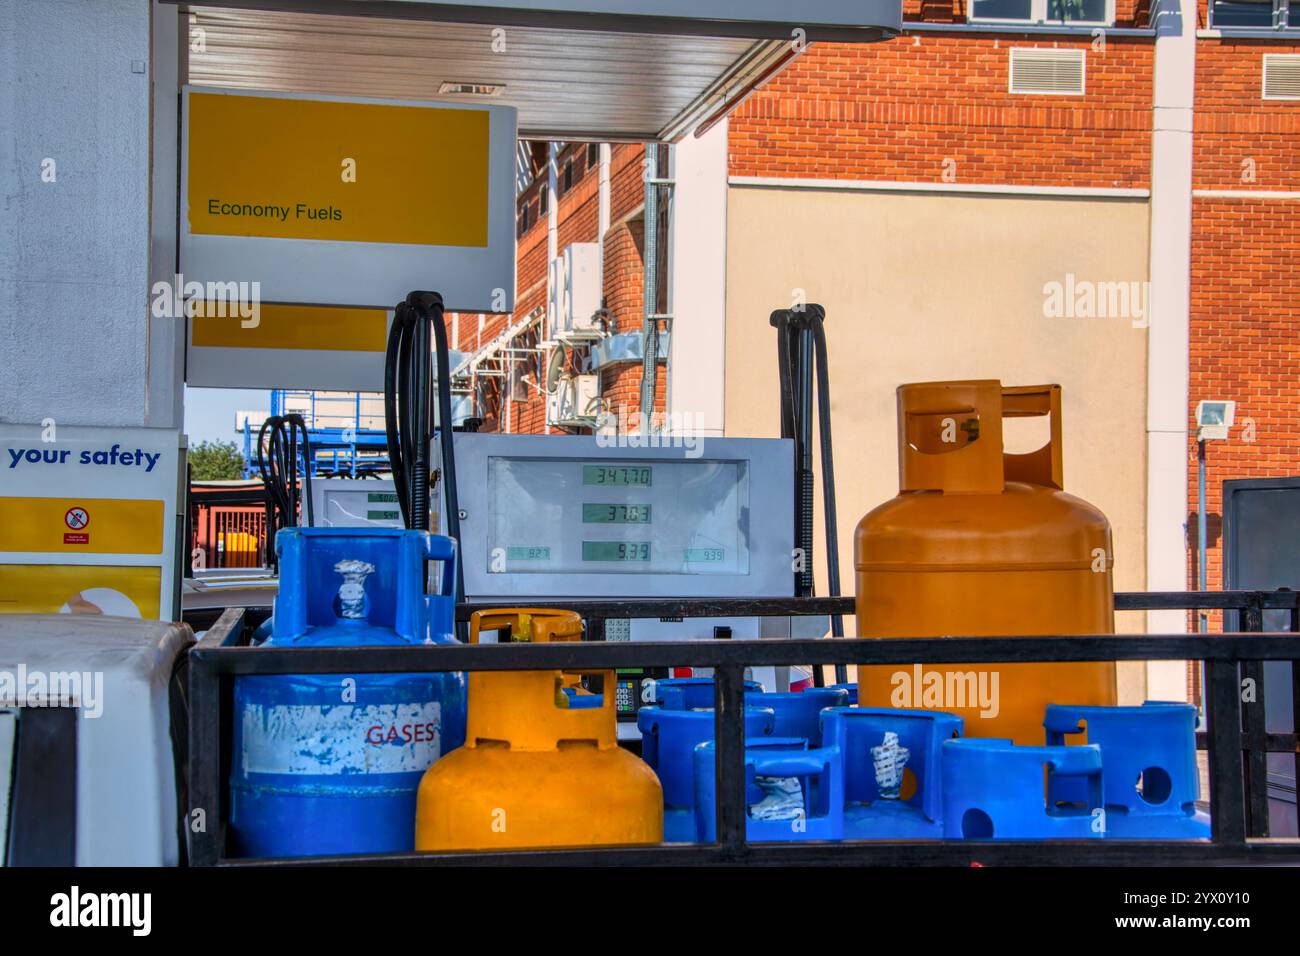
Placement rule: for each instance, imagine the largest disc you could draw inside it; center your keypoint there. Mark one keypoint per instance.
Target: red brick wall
(530, 277)
(528, 405)
(580, 205)
(626, 181)
(899, 110)
(622, 393)
(624, 278)
(1240, 134)
(577, 220)
(1245, 347)
(1245, 317)
(624, 291)
(527, 408)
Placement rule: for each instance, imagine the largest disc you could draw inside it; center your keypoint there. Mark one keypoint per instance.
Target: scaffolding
(346, 431)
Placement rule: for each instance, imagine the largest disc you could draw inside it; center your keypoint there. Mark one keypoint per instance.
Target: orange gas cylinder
(982, 543)
(538, 768)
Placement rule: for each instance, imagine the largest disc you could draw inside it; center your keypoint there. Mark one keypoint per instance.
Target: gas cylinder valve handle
(888, 760)
(352, 592)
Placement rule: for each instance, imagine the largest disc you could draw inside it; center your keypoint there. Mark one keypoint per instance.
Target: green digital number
(615, 514)
(616, 550)
(528, 554)
(622, 476)
(703, 555)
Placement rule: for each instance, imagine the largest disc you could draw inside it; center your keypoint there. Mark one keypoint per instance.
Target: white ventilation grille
(1057, 72)
(1282, 76)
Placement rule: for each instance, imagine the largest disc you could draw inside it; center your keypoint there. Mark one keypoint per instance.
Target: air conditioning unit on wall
(572, 400)
(574, 403)
(575, 288)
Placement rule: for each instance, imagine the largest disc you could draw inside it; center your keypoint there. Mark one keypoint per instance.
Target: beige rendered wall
(923, 287)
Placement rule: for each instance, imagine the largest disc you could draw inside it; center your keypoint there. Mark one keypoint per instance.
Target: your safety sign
(90, 519)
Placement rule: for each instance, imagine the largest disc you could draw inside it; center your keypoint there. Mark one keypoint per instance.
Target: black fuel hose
(397, 429)
(786, 350)
(797, 329)
(828, 474)
(278, 449)
(408, 421)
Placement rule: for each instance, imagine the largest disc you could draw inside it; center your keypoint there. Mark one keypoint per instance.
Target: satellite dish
(555, 368)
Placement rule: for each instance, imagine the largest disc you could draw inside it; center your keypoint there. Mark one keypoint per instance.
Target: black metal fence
(1236, 740)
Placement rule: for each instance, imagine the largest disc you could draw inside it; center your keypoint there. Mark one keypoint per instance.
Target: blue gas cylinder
(798, 713)
(331, 763)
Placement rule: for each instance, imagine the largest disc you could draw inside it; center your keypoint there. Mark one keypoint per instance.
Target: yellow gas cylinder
(534, 771)
(982, 543)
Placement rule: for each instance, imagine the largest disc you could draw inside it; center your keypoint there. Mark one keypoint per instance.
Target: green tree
(216, 461)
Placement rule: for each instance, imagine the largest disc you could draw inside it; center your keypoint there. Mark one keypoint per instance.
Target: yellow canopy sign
(342, 171)
(291, 327)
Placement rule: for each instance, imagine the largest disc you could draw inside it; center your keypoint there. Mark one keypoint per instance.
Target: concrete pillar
(697, 282)
(171, 39)
(1167, 342)
(75, 236)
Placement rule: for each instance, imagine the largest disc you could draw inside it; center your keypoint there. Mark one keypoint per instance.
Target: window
(543, 199)
(1255, 14)
(568, 175)
(593, 155)
(523, 219)
(1044, 11)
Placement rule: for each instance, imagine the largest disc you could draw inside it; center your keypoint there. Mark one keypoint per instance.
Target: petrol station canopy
(574, 69)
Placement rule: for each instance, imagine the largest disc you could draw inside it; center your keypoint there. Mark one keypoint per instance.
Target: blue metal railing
(342, 448)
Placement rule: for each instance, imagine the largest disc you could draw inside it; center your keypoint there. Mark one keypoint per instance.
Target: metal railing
(346, 431)
(1232, 741)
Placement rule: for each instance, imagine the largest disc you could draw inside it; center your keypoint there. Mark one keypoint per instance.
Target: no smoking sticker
(76, 519)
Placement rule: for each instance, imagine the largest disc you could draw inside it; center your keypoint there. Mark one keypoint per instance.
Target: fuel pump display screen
(569, 515)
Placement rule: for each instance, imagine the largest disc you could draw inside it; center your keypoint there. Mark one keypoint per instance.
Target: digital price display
(704, 555)
(615, 514)
(621, 476)
(528, 554)
(616, 550)
(340, 503)
(585, 516)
